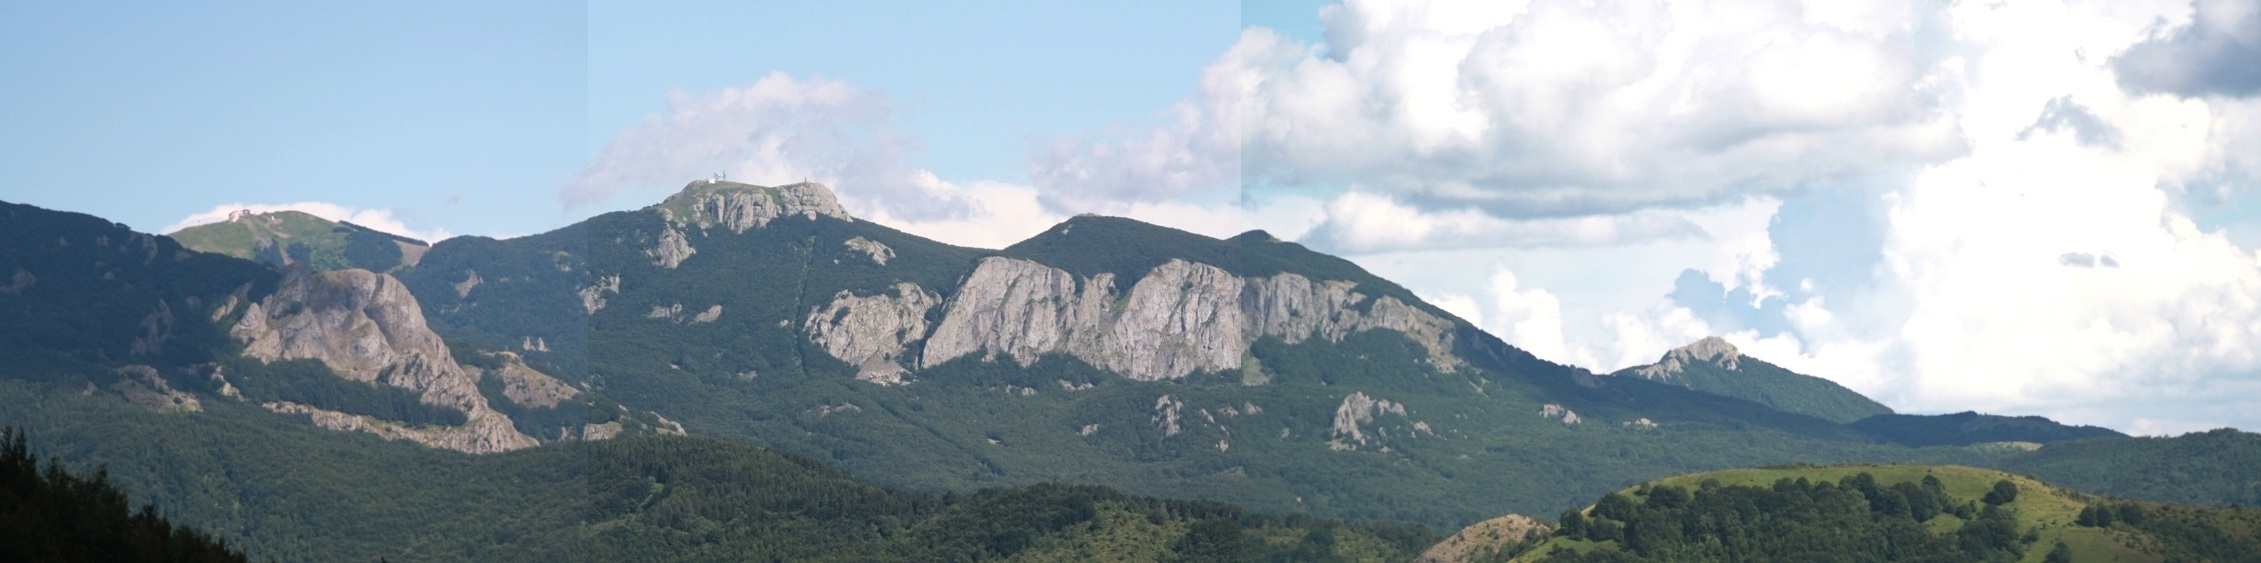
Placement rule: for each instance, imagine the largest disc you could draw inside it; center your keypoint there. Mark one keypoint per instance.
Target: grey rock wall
(367, 327)
(871, 332)
(1180, 318)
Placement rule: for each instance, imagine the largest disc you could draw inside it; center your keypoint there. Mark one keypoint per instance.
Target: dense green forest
(1794, 520)
(278, 488)
(58, 516)
(1966, 428)
(1886, 513)
(2218, 467)
(86, 295)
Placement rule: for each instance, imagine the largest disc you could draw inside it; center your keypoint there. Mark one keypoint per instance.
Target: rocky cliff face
(672, 249)
(528, 387)
(593, 296)
(1180, 318)
(1711, 349)
(873, 331)
(1358, 409)
(367, 327)
(1019, 309)
(708, 204)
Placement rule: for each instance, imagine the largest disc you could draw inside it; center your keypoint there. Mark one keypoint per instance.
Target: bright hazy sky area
(2027, 207)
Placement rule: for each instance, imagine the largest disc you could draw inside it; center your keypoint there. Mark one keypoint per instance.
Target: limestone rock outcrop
(367, 327)
(872, 331)
(1358, 409)
(1558, 412)
(593, 297)
(528, 387)
(1178, 319)
(672, 249)
(739, 207)
(470, 281)
(142, 386)
(1166, 411)
(1022, 310)
(879, 253)
(713, 312)
(1711, 349)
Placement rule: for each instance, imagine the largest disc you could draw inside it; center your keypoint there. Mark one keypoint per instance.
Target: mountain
(1101, 351)
(1965, 428)
(283, 238)
(278, 489)
(95, 305)
(2215, 467)
(1712, 365)
(89, 296)
(1886, 513)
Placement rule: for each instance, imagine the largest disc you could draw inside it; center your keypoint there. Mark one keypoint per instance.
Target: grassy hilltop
(1884, 513)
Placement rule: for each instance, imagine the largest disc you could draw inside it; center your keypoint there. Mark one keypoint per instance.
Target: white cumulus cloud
(2054, 268)
(1997, 206)
(778, 130)
(1564, 108)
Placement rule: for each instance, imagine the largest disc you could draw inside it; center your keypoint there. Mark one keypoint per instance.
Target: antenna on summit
(718, 177)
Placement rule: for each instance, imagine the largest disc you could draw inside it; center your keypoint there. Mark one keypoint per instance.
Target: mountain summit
(1711, 349)
(738, 207)
(1712, 365)
(283, 238)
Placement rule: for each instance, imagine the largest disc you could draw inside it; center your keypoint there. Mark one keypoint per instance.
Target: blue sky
(441, 112)
(466, 117)
(2020, 206)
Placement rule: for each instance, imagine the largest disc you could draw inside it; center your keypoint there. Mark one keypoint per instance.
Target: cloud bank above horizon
(2012, 207)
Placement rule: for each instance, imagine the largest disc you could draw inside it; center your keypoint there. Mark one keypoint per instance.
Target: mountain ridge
(738, 338)
(283, 238)
(1712, 365)
(800, 314)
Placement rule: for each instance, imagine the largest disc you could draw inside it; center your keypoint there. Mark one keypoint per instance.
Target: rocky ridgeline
(738, 207)
(1712, 349)
(367, 327)
(1180, 318)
